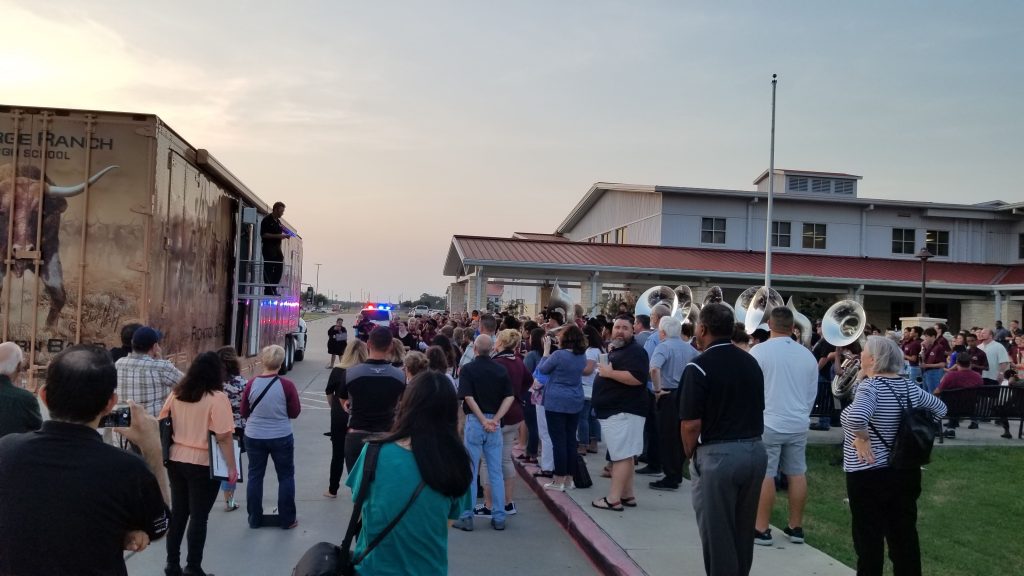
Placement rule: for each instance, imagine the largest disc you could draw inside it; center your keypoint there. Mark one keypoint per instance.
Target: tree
(432, 302)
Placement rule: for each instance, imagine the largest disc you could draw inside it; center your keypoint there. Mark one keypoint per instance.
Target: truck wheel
(287, 364)
(300, 355)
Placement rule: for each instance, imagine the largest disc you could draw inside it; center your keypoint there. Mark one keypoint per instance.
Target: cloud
(67, 59)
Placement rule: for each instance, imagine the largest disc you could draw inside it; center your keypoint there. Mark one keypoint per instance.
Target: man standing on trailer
(272, 233)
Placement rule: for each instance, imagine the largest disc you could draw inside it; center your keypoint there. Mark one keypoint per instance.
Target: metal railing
(251, 281)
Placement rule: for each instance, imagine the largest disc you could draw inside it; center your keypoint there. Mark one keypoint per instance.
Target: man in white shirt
(790, 387)
(998, 358)
(489, 327)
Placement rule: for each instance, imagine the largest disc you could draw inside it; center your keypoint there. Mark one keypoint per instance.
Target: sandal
(606, 473)
(616, 506)
(629, 502)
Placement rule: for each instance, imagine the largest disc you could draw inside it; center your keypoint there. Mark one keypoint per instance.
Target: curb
(606, 554)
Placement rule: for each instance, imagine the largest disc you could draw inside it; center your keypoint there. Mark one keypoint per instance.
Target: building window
(781, 232)
(821, 185)
(1020, 246)
(795, 184)
(843, 187)
(814, 236)
(620, 235)
(712, 230)
(592, 239)
(604, 238)
(902, 240)
(937, 242)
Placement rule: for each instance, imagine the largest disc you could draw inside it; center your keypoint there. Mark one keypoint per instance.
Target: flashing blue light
(380, 307)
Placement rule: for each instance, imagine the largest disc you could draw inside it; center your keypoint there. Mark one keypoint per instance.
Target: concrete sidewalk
(660, 535)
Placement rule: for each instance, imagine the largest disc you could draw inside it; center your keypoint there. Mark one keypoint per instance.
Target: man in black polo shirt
(620, 402)
(70, 504)
(371, 392)
(272, 232)
(486, 391)
(722, 413)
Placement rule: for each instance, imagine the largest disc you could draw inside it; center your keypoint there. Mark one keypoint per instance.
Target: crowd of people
(447, 398)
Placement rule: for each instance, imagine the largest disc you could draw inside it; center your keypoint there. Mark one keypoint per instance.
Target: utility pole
(317, 280)
(771, 196)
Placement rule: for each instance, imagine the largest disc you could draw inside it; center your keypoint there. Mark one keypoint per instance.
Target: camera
(119, 417)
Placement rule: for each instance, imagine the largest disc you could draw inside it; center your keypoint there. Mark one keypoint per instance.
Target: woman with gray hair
(883, 499)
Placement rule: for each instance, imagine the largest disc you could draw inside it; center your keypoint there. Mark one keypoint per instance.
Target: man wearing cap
(143, 376)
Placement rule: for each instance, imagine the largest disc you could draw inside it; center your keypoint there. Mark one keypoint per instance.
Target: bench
(986, 402)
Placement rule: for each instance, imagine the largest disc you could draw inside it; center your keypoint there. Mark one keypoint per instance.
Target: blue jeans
(478, 442)
(282, 450)
(932, 377)
(914, 372)
(583, 428)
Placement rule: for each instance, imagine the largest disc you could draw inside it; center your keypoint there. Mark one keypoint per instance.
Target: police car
(379, 314)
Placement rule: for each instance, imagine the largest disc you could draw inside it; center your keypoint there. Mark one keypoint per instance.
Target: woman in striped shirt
(883, 500)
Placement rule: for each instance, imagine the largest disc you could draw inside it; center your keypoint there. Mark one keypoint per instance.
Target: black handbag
(166, 438)
(912, 446)
(582, 476)
(326, 559)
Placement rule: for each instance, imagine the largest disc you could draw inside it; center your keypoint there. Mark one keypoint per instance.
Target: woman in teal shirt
(423, 445)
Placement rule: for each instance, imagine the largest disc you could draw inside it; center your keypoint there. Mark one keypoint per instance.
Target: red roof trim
(739, 262)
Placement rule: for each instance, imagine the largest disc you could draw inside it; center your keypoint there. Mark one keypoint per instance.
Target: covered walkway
(966, 294)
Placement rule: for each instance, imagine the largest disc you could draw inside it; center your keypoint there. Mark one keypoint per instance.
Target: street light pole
(923, 255)
(317, 295)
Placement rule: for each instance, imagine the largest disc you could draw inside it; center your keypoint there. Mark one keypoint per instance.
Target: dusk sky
(387, 127)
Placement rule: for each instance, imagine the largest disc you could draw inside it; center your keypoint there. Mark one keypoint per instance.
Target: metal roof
(841, 175)
(564, 256)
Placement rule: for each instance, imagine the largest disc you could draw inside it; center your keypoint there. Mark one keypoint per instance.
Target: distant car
(420, 311)
(299, 341)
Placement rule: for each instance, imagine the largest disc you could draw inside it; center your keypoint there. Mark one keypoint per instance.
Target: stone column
(979, 312)
(543, 297)
(590, 293)
(457, 292)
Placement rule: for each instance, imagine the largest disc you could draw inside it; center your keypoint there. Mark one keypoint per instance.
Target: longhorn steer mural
(20, 195)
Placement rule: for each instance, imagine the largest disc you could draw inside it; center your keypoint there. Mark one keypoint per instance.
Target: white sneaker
(555, 486)
(510, 509)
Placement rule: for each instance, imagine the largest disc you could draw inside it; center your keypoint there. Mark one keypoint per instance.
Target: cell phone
(119, 417)
(603, 359)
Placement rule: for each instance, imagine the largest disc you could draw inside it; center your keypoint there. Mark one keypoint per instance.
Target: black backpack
(912, 446)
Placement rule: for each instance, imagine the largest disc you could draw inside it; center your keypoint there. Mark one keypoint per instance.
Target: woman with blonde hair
(270, 403)
(397, 357)
(355, 353)
(415, 363)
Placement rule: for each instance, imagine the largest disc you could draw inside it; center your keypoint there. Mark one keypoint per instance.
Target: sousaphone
(654, 296)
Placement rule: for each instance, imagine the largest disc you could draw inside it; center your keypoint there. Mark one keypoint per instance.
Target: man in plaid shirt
(143, 376)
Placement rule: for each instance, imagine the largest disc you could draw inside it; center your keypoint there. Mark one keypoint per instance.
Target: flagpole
(771, 196)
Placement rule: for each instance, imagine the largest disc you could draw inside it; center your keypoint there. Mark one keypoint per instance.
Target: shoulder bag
(912, 446)
(326, 559)
(252, 407)
(166, 437)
